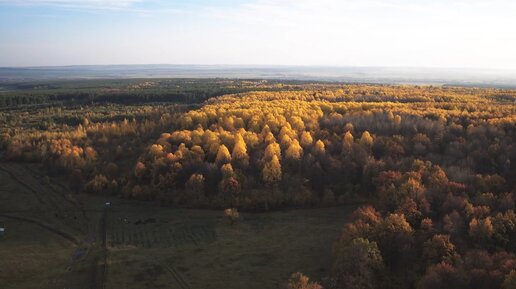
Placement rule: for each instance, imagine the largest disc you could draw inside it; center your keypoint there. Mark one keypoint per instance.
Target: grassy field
(57, 240)
(43, 229)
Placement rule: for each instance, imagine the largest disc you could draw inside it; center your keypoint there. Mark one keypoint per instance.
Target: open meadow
(56, 240)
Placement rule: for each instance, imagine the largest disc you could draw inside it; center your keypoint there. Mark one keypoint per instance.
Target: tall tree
(223, 156)
(272, 170)
(239, 155)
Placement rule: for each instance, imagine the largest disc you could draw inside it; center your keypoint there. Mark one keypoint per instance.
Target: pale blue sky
(429, 33)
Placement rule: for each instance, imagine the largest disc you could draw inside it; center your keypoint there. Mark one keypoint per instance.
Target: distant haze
(377, 33)
(437, 76)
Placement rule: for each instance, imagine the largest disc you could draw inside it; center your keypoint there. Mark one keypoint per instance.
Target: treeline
(123, 97)
(127, 91)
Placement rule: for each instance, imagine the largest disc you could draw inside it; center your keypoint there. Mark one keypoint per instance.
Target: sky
(394, 33)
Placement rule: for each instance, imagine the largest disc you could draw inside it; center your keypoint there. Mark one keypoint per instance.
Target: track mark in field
(57, 195)
(45, 226)
(50, 184)
(178, 277)
(21, 182)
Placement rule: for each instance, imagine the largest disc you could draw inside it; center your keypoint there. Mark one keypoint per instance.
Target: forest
(430, 169)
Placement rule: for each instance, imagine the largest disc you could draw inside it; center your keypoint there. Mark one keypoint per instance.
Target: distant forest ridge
(435, 76)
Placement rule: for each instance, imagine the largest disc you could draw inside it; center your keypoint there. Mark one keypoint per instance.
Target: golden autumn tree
(208, 138)
(265, 130)
(197, 152)
(390, 116)
(347, 142)
(227, 171)
(294, 151)
(271, 172)
(223, 155)
(319, 147)
(239, 155)
(286, 129)
(481, 230)
(397, 120)
(300, 281)
(285, 141)
(273, 149)
(269, 138)
(90, 154)
(366, 139)
(156, 150)
(306, 139)
(251, 139)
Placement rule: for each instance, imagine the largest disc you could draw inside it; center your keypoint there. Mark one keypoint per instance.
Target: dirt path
(48, 227)
(99, 264)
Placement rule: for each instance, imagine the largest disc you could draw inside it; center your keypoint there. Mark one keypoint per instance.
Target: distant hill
(437, 76)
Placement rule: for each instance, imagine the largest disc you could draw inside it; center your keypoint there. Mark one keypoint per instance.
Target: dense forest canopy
(435, 167)
(131, 91)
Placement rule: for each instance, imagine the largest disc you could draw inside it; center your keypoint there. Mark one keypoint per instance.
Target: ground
(58, 240)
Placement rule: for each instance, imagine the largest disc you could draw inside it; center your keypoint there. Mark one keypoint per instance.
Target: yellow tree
(239, 155)
(251, 139)
(197, 152)
(285, 141)
(223, 156)
(266, 129)
(294, 151)
(390, 116)
(319, 147)
(209, 137)
(297, 123)
(227, 171)
(300, 281)
(285, 129)
(481, 229)
(366, 139)
(273, 149)
(306, 139)
(156, 150)
(397, 119)
(269, 138)
(347, 142)
(272, 171)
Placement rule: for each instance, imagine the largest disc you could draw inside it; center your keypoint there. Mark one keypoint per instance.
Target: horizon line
(258, 65)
